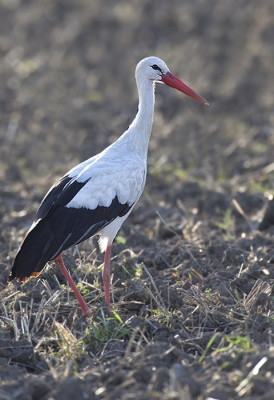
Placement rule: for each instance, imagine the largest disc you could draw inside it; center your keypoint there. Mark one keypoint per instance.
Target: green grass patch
(227, 225)
(103, 330)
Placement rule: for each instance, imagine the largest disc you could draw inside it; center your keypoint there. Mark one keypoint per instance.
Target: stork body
(98, 194)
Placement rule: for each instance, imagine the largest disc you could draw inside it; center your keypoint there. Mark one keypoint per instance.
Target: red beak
(171, 80)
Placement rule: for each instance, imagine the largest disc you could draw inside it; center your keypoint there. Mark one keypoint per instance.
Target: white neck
(138, 134)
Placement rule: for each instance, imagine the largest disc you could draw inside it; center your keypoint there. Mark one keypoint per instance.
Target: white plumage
(125, 180)
(98, 194)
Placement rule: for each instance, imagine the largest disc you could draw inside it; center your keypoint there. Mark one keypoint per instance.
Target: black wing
(59, 227)
(54, 193)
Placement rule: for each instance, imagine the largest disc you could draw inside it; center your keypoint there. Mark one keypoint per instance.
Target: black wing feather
(59, 227)
(65, 189)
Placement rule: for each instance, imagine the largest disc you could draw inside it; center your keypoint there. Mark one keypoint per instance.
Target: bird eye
(156, 67)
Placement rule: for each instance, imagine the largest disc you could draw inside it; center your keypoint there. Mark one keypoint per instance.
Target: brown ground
(194, 312)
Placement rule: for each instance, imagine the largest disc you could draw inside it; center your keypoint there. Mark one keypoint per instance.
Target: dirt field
(192, 273)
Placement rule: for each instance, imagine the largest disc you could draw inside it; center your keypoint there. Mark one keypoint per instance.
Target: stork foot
(60, 262)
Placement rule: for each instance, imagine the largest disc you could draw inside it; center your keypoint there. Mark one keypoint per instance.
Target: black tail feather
(33, 252)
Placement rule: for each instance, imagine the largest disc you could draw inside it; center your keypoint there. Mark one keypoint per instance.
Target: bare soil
(192, 285)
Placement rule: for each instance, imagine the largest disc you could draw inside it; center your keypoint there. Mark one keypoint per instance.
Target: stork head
(156, 70)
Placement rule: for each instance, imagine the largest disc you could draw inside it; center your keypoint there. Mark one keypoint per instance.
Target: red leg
(106, 275)
(59, 261)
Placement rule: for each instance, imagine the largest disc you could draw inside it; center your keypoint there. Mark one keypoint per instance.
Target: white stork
(98, 194)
